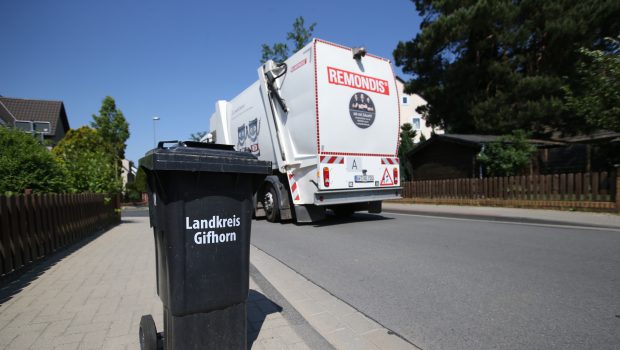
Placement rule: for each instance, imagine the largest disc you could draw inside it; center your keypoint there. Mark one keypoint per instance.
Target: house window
(416, 123)
(405, 100)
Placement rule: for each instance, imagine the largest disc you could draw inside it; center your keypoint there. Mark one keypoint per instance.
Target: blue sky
(172, 59)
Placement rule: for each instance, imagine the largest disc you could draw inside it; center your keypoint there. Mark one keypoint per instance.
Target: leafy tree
(131, 193)
(26, 164)
(497, 66)
(89, 164)
(112, 127)
(134, 190)
(509, 156)
(299, 37)
(197, 136)
(406, 144)
(83, 137)
(278, 52)
(596, 95)
(140, 180)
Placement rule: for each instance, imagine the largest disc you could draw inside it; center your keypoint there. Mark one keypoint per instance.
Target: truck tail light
(395, 176)
(326, 177)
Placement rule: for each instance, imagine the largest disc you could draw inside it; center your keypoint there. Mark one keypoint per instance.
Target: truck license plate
(364, 178)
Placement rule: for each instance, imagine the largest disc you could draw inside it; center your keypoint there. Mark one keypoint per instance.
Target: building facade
(408, 114)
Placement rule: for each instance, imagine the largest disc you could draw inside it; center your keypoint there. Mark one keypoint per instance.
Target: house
(408, 114)
(6, 118)
(128, 172)
(452, 156)
(48, 119)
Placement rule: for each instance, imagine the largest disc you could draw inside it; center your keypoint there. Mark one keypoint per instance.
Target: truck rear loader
(328, 120)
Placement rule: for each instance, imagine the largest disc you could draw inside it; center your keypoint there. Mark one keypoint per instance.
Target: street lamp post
(155, 119)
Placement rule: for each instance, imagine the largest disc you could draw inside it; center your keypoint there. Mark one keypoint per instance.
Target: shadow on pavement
(135, 213)
(13, 283)
(259, 306)
(128, 221)
(128, 213)
(333, 220)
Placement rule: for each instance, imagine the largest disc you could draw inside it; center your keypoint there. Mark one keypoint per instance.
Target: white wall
(126, 171)
(408, 105)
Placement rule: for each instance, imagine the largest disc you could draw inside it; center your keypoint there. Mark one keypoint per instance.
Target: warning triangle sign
(387, 179)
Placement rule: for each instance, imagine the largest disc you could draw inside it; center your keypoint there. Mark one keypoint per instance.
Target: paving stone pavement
(90, 298)
(267, 326)
(93, 296)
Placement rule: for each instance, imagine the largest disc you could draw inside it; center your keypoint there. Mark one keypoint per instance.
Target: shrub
(26, 164)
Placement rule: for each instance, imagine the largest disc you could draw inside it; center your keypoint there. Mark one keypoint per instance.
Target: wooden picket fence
(37, 225)
(596, 190)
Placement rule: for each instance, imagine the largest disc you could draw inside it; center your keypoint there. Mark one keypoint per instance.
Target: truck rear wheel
(270, 203)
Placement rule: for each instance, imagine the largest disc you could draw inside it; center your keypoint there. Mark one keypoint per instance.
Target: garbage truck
(328, 119)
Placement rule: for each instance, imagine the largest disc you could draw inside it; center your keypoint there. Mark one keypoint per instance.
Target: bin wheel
(148, 333)
(270, 203)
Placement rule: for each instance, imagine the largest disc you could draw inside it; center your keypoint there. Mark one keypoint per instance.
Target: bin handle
(161, 144)
(195, 144)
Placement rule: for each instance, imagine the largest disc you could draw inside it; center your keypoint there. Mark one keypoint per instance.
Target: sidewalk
(93, 295)
(537, 216)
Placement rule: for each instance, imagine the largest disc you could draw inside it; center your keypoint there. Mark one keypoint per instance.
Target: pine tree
(497, 66)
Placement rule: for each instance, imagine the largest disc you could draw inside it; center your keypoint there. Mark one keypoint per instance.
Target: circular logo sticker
(362, 110)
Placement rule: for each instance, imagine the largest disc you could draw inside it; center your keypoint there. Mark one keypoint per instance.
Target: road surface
(446, 283)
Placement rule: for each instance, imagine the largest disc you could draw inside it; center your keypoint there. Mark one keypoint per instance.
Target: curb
(340, 324)
(514, 219)
(532, 216)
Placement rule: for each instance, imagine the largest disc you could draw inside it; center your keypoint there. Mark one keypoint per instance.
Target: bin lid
(200, 156)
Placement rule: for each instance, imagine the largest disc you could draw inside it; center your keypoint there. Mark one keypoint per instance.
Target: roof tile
(35, 110)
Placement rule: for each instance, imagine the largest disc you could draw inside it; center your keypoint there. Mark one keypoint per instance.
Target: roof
(475, 141)
(596, 136)
(36, 110)
(471, 138)
(5, 115)
(483, 139)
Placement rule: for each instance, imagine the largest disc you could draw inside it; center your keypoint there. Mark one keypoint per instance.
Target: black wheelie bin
(200, 206)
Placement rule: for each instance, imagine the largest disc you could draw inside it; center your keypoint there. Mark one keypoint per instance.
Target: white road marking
(575, 227)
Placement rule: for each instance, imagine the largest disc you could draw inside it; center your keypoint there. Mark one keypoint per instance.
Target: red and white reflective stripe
(392, 161)
(332, 159)
(294, 187)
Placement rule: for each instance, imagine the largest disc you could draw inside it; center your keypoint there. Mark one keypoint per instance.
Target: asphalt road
(448, 283)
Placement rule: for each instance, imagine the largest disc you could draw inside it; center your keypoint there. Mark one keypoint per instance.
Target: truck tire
(148, 333)
(271, 204)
